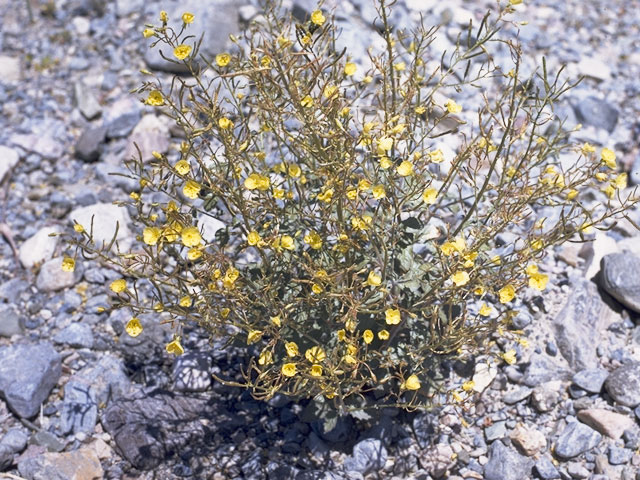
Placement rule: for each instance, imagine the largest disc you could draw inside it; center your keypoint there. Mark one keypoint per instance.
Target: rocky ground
(83, 400)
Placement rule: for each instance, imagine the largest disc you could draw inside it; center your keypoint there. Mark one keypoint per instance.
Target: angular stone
(151, 134)
(546, 469)
(620, 277)
(542, 369)
(608, 423)
(89, 145)
(528, 440)
(596, 112)
(82, 464)
(86, 101)
(39, 248)
(122, 117)
(9, 158)
(506, 464)
(10, 322)
(77, 335)
(51, 277)
(484, 374)
(623, 385)
(575, 439)
(27, 374)
(591, 380)
(105, 216)
(369, 455)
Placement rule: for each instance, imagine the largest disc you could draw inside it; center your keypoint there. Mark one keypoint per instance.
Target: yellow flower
(392, 316)
(164, 17)
(174, 347)
(485, 310)
(151, 235)
(133, 327)
(230, 277)
(538, 281)
(364, 185)
(307, 101)
(436, 156)
(609, 191)
(531, 269)
(507, 293)
(515, 2)
(155, 98)
(191, 189)
(587, 148)
(287, 242)
(291, 348)
(479, 290)
(601, 176)
(147, 32)
(118, 286)
(537, 244)
(405, 168)
(182, 167)
(190, 237)
(194, 253)
(257, 181)
(265, 358)
(571, 194)
(374, 279)
(460, 278)
(378, 192)
(452, 107)
(182, 51)
(608, 157)
(621, 181)
(329, 91)
(313, 240)
(468, 385)
(253, 336)
(429, 196)
(224, 123)
(350, 68)
(385, 163)
(316, 370)
(509, 357)
(68, 264)
(253, 238)
(342, 334)
(294, 170)
(367, 336)
(276, 320)
(289, 369)
(412, 383)
(385, 144)
(187, 17)
(317, 289)
(185, 301)
(325, 196)
(315, 354)
(78, 228)
(317, 18)
(368, 79)
(383, 335)
(399, 66)
(223, 59)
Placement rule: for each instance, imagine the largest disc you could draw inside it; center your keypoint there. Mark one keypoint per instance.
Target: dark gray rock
(13, 442)
(27, 375)
(10, 322)
(596, 112)
(506, 464)
(89, 145)
(591, 380)
(546, 469)
(575, 439)
(191, 372)
(623, 385)
(46, 439)
(620, 278)
(78, 335)
(342, 431)
(369, 455)
(578, 326)
(542, 369)
(516, 395)
(121, 118)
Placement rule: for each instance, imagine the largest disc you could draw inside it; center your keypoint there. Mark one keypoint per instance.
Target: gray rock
(42, 144)
(506, 464)
(342, 431)
(77, 335)
(89, 145)
(634, 174)
(46, 439)
(13, 442)
(82, 464)
(546, 469)
(150, 134)
(105, 217)
(516, 395)
(51, 277)
(577, 470)
(591, 380)
(619, 456)
(575, 439)
(623, 385)
(122, 117)
(596, 112)
(546, 395)
(542, 369)
(191, 372)
(369, 455)
(579, 325)
(495, 431)
(27, 375)
(10, 322)
(92, 387)
(216, 19)
(620, 277)
(9, 158)
(86, 101)
(39, 247)
(124, 8)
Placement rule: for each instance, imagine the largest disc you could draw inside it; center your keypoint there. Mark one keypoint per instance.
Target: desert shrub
(359, 251)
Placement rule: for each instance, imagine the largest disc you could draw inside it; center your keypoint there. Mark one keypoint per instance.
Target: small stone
(528, 440)
(105, 216)
(46, 439)
(608, 423)
(506, 464)
(122, 117)
(10, 322)
(619, 456)
(82, 464)
(483, 376)
(39, 247)
(86, 101)
(191, 372)
(575, 439)
(594, 68)
(369, 455)
(516, 395)
(634, 174)
(623, 385)
(620, 277)
(546, 469)
(495, 431)
(545, 396)
(77, 335)
(577, 470)
(27, 374)
(51, 277)
(150, 134)
(10, 68)
(9, 158)
(89, 145)
(596, 112)
(591, 380)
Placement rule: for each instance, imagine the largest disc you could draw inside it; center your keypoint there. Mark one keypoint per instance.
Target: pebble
(90, 143)
(575, 439)
(149, 135)
(529, 440)
(506, 464)
(591, 380)
(620, 277)
(9, 158)
(546, 469)
(10, 322)
(516, 395)
(608, 423)
(619, 456)
(51, 277)
(623, 385)
(39, 247)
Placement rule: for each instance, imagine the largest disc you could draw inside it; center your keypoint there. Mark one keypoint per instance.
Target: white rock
(594, 68)
(483, 376)
(10, 68)
(51, 277)
(82, 25)
(151, 134)
(105, 217)
(39, 248)
(209, 226)
(9, 158)
(421, 5)
(601, 246)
